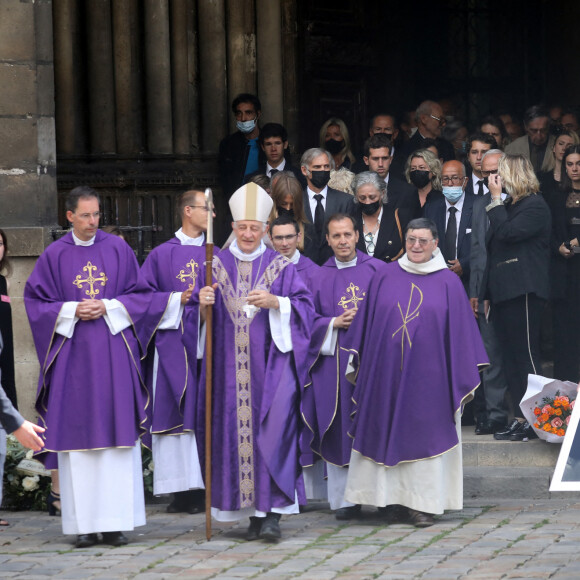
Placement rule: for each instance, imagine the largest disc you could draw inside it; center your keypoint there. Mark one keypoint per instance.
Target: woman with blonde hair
(335, 138)
(551, 174)
(288, 197)
(423, 170)
(518, 282)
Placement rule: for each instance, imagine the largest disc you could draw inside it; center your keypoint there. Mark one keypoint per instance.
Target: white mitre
(251, 202)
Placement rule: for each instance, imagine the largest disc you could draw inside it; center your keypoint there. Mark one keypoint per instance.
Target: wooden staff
(208, 361)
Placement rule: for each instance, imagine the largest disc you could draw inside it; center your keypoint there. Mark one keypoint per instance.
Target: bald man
(452, 214)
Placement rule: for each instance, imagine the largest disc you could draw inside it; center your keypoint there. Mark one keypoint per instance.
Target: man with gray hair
(320, 201)
(537, 144)
(430, 122)
(490, 408)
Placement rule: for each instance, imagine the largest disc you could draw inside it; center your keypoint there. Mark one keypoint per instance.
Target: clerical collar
(295, 257)
(79, 242)
(187, 241)
(233, 248)
(341, 265)
(436, 263)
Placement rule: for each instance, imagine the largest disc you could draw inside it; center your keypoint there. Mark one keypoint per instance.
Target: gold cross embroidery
(90, 280)
(191, 273)
(408, 317)
(353, 299)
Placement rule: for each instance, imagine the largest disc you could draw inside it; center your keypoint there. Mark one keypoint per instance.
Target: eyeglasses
(287, 238)
(452, 179)
(411, 241)
(370, 243)
(86, 216)
(488, 173)
(204, 207)
(442, 121)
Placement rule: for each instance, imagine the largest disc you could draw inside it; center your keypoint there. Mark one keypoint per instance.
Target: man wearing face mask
(240, 153)
(320, 201)
(452, 215)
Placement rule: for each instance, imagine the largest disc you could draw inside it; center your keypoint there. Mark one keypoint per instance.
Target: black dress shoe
(489, 427)
(115, 538)
(191, 501)
(86, 540)
(271, 528)
(420, 519)
(254, 528)
(347, 513)
(524, 434)
(510, 430)
(395, 513)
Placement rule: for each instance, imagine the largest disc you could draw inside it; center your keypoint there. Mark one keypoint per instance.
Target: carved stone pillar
(241, 50)
(212, 57)
(101, 92)
(158, 77)
(269, 49)
(179, 76)
(67, 77)
(128, 97)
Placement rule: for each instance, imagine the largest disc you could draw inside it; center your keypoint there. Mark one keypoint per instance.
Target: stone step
(484, 450)
(508, 469)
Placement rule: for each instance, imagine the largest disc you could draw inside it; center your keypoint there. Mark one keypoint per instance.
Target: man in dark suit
(452, 215)
(430, 122)
(378, 158)
(493, 411)
(477, 146)
(273, 141)
(320, 202)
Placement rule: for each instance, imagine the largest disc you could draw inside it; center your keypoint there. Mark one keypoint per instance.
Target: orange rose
(537, 411)
(557, 412)
(547, 427)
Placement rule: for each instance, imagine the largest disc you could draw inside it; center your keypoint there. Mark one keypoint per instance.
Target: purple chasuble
(172, 267)
(419, 360)
(327, 403)
(256, 395)
(307, 270)
(90, 392)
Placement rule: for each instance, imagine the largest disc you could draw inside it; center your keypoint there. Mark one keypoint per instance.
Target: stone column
(27, 162)
(212, 65)
(101, 80)
(269, 52)
(290, 72)
(67, 77)
(241, 40)
(179, 76)
(127, 61)
(158, 77)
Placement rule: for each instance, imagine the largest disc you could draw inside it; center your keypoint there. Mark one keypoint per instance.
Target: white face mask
(246, 126)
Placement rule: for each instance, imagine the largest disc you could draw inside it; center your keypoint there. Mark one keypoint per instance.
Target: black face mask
(320, 179)
(370, 208)
(283, 211)
(419, 178)
(334, 146)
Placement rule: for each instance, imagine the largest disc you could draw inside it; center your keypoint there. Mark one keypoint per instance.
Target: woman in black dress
(565, 268)
(380, 224)
(7, 356)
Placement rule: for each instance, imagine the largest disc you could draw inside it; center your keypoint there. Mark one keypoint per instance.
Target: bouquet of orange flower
(547, 406)
(554, 414)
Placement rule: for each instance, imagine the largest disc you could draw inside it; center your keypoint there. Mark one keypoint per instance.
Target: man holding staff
(261, 310)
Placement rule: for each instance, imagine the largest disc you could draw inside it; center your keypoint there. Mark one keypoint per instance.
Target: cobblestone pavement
(489, 539)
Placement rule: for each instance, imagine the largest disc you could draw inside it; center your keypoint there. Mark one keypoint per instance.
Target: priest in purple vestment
(261, 331)
(86, 301)
(286, 236)
(340, 292)
(420, 356)
(173, 271)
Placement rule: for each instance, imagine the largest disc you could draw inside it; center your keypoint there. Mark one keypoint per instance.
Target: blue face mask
(246, 126)
(453, 193)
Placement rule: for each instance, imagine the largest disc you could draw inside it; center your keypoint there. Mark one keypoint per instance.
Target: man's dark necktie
(480, 187)
(318, 214)
(273, 172)
(451, 235)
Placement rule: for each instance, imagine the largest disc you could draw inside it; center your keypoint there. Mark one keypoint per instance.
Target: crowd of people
(356, 307)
